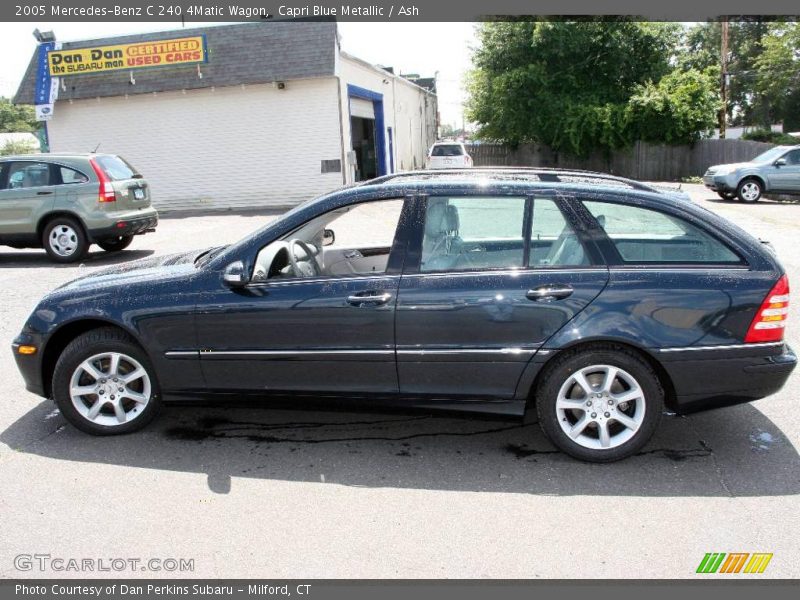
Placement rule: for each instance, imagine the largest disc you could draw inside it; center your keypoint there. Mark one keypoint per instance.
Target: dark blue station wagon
(593, 300)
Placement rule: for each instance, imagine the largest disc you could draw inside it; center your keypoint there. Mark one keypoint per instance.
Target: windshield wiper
(203, 258)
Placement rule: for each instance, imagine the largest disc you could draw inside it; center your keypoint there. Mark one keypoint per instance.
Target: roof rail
(553, 174)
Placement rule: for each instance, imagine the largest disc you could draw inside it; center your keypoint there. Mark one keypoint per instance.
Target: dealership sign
(46, 90)
(99, 59)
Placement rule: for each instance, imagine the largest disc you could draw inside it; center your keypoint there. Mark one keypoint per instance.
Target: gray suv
(66, 202)
(776, 170)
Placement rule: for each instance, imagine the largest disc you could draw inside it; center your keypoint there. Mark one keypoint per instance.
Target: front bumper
(30, 365)
(723, 376)
(125, 227)
(720, 183)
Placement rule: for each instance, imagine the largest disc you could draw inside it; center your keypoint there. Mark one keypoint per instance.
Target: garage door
(362, 108)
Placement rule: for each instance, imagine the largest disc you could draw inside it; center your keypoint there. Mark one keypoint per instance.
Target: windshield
(447, 150)
(771, 154)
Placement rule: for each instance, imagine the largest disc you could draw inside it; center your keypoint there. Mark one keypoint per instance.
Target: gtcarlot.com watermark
(59, 564)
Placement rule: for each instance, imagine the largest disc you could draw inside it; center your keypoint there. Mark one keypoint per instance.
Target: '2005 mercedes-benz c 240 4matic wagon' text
(593, 300)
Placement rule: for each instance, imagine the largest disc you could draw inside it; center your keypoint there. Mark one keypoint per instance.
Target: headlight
(724, 170)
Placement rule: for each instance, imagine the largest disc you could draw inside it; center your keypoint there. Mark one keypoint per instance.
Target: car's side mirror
(780, 162)
(234, 275)
(328, 237)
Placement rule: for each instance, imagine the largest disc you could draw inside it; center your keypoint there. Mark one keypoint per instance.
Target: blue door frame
(353, 91)
(391, 149)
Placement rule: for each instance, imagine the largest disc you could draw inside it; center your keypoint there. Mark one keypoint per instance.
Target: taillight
(770, 320)
(107, 193)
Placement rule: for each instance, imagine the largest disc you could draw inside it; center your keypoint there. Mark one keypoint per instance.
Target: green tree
(777, 72)
(679, 109)
(764, 87)
(565, 83)
(16, 117)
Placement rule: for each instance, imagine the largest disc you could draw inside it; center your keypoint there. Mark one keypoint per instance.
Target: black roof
(243, 53)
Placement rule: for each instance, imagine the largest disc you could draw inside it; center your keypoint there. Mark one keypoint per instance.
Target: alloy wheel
(750, 191)
(110, 389)
(600, 407)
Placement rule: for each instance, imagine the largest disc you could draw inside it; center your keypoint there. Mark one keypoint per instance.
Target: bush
(773, 137)
(18, 147)
(679, 109)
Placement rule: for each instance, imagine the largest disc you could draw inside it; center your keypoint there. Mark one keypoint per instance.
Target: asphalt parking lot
(271, 493)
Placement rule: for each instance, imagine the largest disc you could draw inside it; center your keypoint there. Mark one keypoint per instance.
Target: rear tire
(601, 404)
(116, 244)
(749, 190)
(64, 240)
(104, 383)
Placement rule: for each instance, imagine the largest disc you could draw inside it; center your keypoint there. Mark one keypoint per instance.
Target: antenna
(96, 147)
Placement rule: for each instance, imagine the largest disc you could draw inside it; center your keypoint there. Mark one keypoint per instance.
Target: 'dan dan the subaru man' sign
(98, 59)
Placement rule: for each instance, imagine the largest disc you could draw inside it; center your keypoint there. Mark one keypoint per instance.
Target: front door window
(353, 240)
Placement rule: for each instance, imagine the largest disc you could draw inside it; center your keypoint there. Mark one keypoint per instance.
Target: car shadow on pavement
(39, 259)
(732, 452)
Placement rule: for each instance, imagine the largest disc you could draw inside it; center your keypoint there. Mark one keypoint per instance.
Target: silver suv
(66, 202)
(776, 170)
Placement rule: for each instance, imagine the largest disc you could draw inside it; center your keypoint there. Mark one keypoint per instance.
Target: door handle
(44, 193)
(377, 298)
(550, 292)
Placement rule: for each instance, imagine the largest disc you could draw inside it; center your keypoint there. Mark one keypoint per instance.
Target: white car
(448, 155)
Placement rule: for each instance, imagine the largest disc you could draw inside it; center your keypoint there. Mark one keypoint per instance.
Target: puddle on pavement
(761, 441)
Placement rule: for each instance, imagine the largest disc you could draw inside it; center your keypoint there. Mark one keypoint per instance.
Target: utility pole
(723, 113)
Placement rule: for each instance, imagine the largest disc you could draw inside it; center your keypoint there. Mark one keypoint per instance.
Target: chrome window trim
(323, 279)
(685, 268)
(504, 272)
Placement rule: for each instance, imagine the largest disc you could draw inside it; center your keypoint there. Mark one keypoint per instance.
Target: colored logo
(734, 562)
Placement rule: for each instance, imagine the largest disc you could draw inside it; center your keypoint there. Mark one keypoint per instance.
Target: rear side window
(115, 167)
(642, 235)
(473, 232)
(26, 174)
(69, 176)
(447, 150)
(554, 242)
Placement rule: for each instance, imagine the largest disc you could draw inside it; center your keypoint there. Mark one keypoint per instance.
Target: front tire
(749, 190)
(64, 240)
(104, 383)
(601, 404)
(116, 244)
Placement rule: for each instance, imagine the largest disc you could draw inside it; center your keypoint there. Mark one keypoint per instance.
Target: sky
(408, 47)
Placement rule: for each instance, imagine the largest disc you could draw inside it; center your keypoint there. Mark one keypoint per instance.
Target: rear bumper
(713, 377)
(455, 163)
(136, 225)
